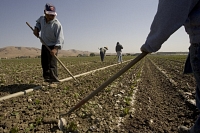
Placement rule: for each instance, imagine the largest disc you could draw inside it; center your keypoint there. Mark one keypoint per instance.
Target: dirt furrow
(159, 106)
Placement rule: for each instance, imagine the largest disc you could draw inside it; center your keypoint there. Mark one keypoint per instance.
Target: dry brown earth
(15, 51)
(159, 106)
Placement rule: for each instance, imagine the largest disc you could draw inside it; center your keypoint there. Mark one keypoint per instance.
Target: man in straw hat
(103, 52)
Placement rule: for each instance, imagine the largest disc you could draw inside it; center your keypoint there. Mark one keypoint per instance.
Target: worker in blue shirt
(170, 16)
(51, 32)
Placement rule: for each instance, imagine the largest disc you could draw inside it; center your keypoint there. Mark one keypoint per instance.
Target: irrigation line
(62, 80)
(69, 78)
(20, 93)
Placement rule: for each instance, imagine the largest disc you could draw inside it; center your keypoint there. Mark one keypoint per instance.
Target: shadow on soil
(16, 88)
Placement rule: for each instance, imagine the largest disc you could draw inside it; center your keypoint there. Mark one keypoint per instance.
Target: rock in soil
(53, 85)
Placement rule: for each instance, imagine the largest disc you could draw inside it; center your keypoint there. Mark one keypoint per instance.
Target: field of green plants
(153, 96)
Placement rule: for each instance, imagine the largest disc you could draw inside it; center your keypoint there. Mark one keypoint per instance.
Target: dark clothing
(192, 65)
(102, 53)
(118, 48)
(195, 64)
(170, 16)
(188, 67)
(49, 63)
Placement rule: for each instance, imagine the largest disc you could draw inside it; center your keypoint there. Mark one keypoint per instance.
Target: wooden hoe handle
(106, 83)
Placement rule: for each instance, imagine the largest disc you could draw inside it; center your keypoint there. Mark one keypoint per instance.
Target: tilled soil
(160, 108)
(39, 110)
(143, 100)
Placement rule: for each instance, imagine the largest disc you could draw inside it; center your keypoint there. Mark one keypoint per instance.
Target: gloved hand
(143, 49)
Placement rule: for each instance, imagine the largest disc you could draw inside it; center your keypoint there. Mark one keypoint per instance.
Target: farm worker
(103, 52)
(52, 34)
(170, 16)
(118, 50)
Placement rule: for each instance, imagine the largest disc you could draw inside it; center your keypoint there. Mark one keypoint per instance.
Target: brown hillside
(14, 51)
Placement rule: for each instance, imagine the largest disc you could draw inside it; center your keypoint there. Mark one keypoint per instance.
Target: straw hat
(106, 48)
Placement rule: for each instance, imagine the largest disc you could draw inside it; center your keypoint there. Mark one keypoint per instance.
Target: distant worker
(52, 34)
(103, 52)
(118, 49)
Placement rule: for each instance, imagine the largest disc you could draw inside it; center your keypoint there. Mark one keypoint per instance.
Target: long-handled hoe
(62, 122)
(54, 56)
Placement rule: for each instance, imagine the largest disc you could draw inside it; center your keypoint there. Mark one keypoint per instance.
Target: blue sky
(87, 24)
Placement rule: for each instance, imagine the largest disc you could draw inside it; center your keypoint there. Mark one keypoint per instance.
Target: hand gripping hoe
(54, 56)
(62, 122)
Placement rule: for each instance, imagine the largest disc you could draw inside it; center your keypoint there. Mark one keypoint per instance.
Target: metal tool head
(62, 123)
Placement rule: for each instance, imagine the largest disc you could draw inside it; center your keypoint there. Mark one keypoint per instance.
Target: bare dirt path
(159, 106)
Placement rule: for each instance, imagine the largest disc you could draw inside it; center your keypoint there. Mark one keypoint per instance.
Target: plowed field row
(103, 113)
(160, 107)
(143, 100)
(20, 74)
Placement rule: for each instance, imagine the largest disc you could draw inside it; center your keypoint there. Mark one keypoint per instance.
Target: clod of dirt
(50, 120)
(53, 85)
(45, 84)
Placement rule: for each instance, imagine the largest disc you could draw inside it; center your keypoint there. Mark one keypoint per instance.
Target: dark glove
(144, 49)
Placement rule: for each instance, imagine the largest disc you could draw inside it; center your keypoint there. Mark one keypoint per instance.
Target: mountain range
(15, 51)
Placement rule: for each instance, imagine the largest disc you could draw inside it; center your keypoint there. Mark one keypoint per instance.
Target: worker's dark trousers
(195, 64)
(102, 56)
(49, 62)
